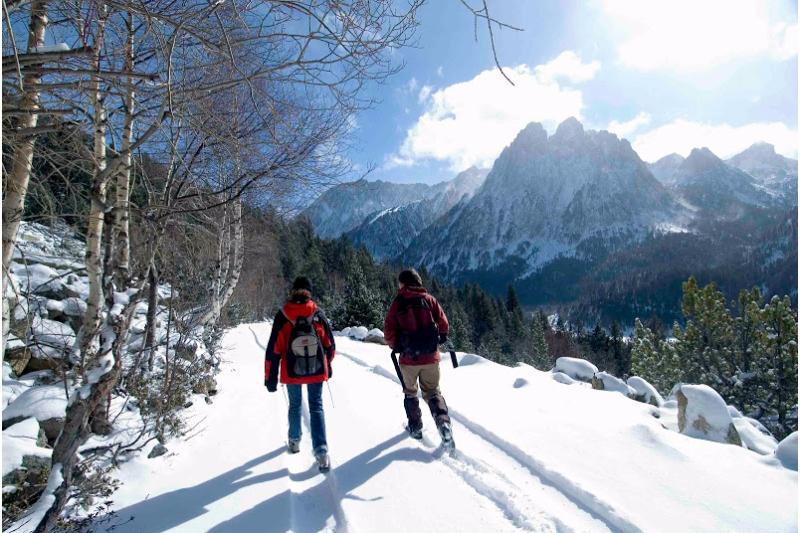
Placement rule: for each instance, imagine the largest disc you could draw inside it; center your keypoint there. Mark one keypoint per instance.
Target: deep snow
(533, 454)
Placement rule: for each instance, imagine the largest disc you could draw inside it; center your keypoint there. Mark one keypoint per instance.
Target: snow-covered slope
(774, 172)
(357, 206)
(387, 233)
(533, 455)
(665, 168)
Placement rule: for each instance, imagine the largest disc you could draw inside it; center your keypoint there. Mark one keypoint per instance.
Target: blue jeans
(318, 441)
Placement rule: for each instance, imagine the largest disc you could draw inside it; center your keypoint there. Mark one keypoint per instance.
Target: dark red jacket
(393, 325)
(278, 345)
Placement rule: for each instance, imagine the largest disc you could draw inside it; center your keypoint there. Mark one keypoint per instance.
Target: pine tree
(653, 359)
(362, 306)
(540, 356)
(776, 344)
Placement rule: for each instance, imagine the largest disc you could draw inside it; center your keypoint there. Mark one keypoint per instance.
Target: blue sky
(668, 76)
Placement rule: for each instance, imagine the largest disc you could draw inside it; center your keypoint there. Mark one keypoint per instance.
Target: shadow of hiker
(172, 509)
(312, 509)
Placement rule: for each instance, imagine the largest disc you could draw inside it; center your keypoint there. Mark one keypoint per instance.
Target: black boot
(414, 417)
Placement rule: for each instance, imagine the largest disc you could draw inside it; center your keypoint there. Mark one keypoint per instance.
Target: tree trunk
(16, 182)
(94, 235)
(231, 264)
(121, 208)
(152, 313)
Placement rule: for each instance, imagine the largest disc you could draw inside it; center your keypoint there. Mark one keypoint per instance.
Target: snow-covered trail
(234, 474)
(533, 455)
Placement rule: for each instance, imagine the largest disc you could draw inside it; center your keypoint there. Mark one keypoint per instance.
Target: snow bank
(576, 368)
(754, 435)
(644, 391)
(42, 402)
(19, 441)
(702, 414)
(786, 452)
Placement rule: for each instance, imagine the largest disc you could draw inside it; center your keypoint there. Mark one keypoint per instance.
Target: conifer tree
(540, 353)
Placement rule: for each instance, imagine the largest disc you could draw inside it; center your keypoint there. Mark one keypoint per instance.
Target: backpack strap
(287, 317)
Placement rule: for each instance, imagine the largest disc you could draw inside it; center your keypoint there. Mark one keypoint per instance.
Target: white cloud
(424, 93)
(411, 85)
(439, 71)
(680, 136)
(567, 66)
(469, 123)
(623, 129)
(690, 34)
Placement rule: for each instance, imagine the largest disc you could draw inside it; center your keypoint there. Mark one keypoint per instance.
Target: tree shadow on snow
(310, 510)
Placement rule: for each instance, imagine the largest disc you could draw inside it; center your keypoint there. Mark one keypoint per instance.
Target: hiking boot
(446, 432)
(293, 446)
(415, 433)
(323, 461)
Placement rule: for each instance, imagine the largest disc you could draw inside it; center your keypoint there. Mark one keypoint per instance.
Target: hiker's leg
(429, 382)
(317, 415)
(410, 374)
(295, 393)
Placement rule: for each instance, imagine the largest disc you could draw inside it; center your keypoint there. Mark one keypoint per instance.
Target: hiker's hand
(442, 338)
(330, 369)
(272, 385)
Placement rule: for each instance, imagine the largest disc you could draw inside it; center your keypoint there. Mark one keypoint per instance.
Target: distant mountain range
(577, 221)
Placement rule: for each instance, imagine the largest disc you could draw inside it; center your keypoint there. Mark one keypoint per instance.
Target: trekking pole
(328, 383)
(450, 348)
(397, 369)
(285, 398)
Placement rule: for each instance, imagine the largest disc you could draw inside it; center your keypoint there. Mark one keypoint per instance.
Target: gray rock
(375, 339)
(702, 413)
(52, 427)
(157, 451)
(17, 356)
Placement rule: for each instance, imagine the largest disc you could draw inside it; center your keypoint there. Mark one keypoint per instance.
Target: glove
(272, 385)
(330, 369)
(442, 338)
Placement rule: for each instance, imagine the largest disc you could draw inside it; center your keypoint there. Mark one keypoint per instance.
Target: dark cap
(302, 283)
(410, 278)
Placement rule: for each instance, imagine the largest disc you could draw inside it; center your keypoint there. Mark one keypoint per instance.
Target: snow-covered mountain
(387, 233)
(709, 184)
(358, 204)
(665, 168)
(575, 194)
(775, 173)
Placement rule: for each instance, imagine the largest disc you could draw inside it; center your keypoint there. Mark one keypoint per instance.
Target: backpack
(304, 357)
(419, 332)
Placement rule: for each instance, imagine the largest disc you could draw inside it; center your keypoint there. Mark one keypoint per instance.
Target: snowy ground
(533, 454)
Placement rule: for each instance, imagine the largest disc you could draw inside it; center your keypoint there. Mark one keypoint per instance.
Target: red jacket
(394, 325)
(278, 346)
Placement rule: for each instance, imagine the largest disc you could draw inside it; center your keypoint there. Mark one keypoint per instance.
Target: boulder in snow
(359, 333)
(563, 378)
(52, 333)
(157, 451)
(376, 336)
(754, 435)
(23, 448)
(605, 381)
(45, 403)
(17, 354)
(579, 369)
(786, 452)
(644, 392)
(702, 414)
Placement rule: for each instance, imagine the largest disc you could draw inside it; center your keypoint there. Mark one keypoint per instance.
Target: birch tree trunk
(121, 260)
(152, 314)
(232, 261)
(94, 235)
(16, 183)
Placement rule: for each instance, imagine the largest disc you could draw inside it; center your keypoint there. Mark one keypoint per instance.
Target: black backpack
(419, 332)
(305, 354)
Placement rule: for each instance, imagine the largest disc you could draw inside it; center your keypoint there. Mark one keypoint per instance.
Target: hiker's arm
(390, 325)
(328, 342)
(272, 359)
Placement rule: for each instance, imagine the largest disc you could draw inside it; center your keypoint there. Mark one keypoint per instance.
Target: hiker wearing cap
(302, 348)
(415, 326)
